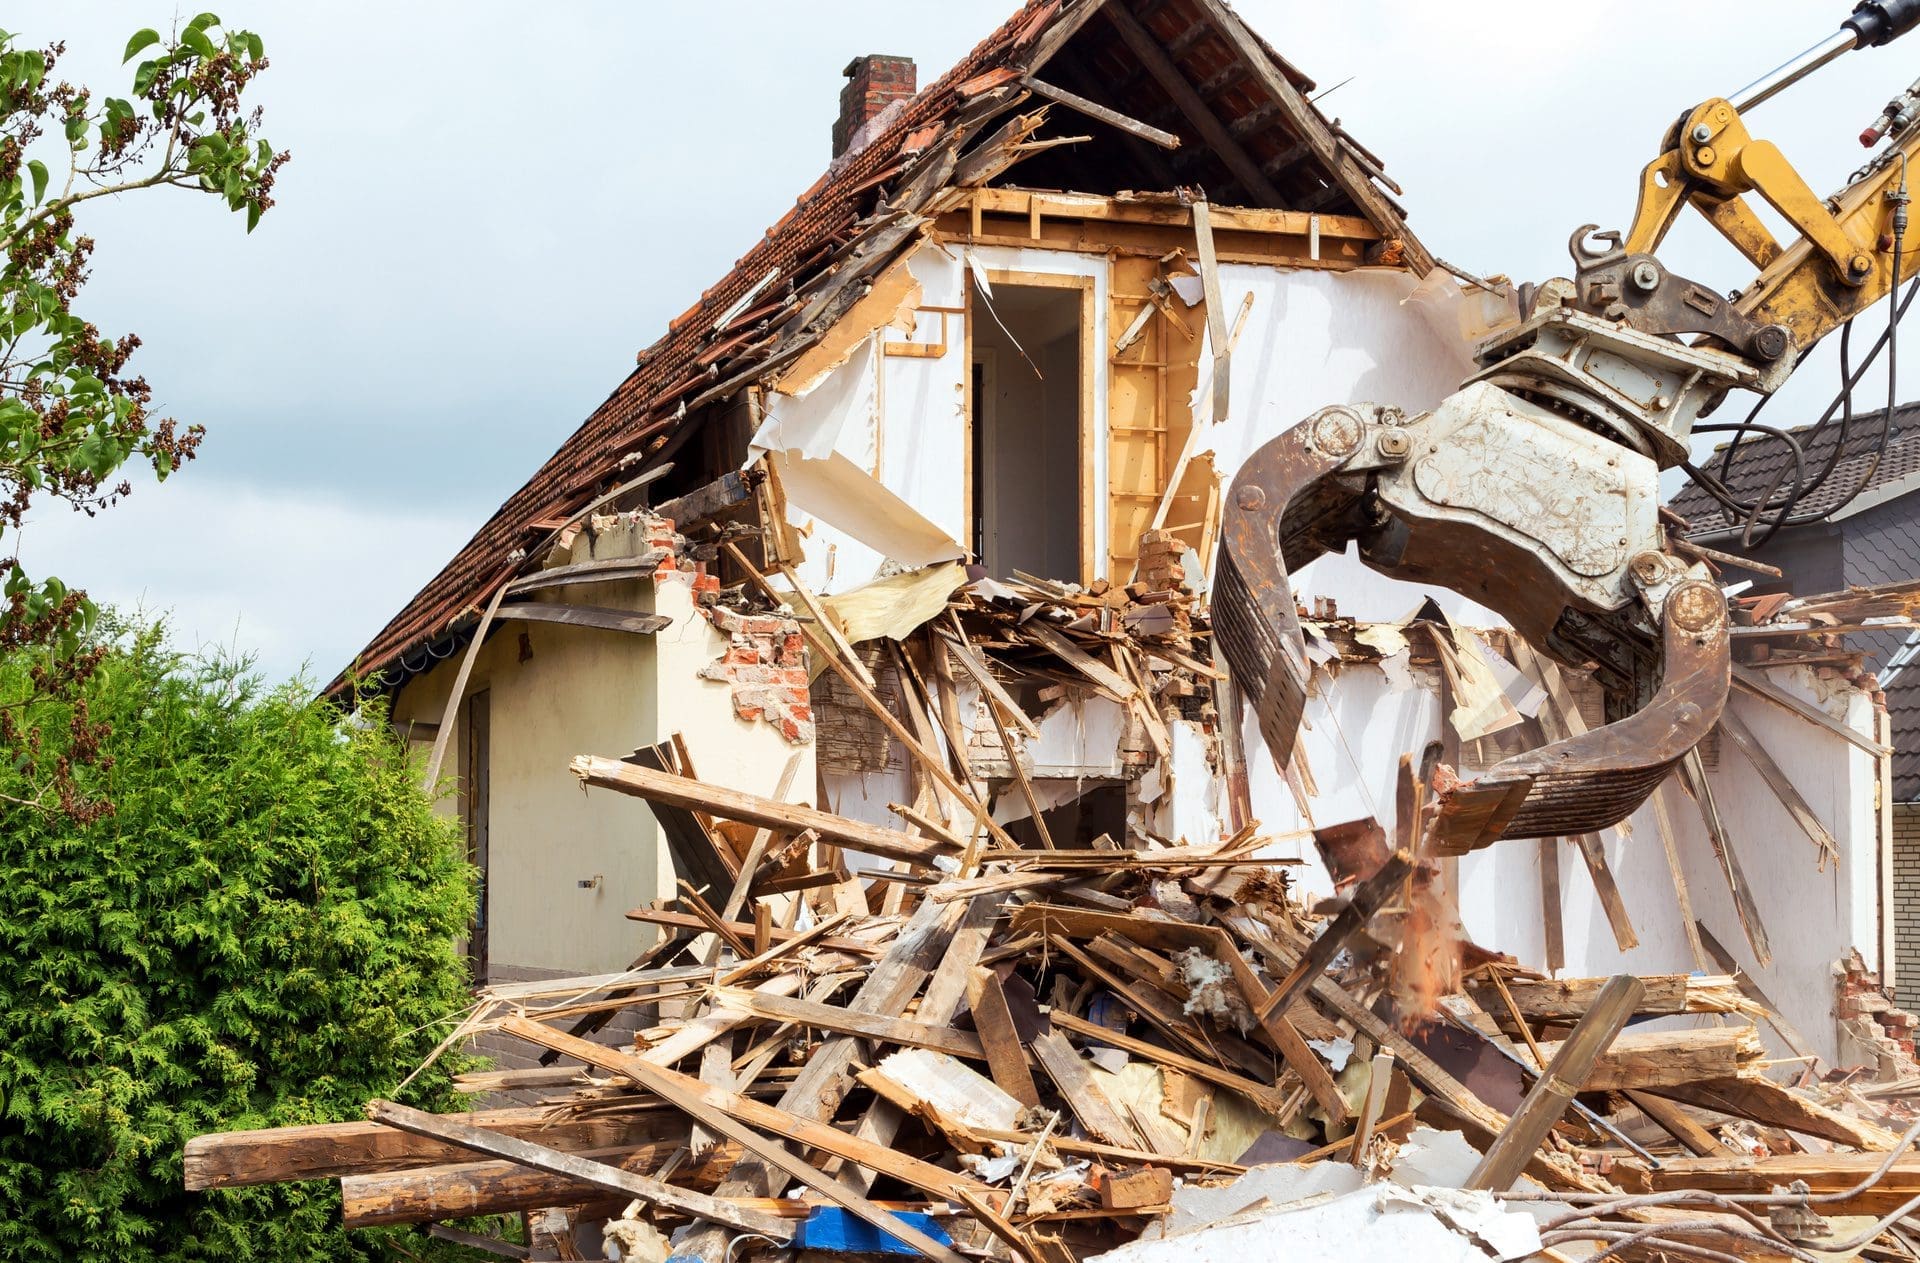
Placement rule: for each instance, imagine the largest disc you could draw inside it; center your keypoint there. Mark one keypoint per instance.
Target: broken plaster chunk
(1278, 1184)
(956, 1090)
(1337, 1051)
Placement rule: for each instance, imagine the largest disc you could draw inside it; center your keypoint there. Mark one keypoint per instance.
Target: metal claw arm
(1545, 521)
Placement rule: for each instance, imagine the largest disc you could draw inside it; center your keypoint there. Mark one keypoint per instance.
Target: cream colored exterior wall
(586, 691)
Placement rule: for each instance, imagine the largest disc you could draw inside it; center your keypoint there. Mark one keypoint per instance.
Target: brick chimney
(874, 82)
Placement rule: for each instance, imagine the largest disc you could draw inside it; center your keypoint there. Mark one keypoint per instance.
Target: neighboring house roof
(1249, 137)
(1901, 680)
(1765, 462)
(1881, 541)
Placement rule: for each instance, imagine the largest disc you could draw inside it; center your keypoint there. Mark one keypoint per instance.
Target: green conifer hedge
(261, 933)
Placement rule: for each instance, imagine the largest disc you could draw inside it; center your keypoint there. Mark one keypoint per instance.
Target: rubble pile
(942, 1038)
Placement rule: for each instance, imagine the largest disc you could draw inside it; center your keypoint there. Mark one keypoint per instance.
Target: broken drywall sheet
(1380, 1221)
(838, 406)
(897, 605)
(826, 434)
(841, 494)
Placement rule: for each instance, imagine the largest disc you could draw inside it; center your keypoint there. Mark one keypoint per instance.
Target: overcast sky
(491, 207)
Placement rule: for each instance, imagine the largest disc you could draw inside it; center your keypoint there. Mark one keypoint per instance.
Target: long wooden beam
(734, 804)
(464, 1190)
(1198, 112)
(599, 1175)
(236, 1159)
(728, 1113)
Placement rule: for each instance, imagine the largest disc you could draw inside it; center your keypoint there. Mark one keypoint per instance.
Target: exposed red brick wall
(873, 83)
(766, 666)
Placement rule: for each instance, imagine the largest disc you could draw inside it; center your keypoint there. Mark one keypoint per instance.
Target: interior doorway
(1029, 425)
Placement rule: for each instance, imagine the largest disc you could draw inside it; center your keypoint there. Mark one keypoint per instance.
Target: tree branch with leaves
(73, 419)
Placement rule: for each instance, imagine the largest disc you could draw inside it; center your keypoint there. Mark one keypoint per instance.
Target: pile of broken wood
(1075, 1046)
(1069, 1051)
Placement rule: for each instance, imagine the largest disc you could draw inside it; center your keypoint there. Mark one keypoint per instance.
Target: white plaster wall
(1313, 339)
(1359, 726)
(585, 691)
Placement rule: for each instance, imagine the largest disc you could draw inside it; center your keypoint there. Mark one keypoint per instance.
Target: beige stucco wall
(586, 691)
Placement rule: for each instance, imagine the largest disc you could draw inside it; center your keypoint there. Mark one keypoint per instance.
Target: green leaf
(144, 76)
(193, 39)
(141, 39)
(256, 48)
(253, 215)
(76, 127)
(39, 170)
(202, 21)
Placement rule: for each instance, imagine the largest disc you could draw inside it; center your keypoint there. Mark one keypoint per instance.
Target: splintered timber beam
(1564, 1077)
(734, 804)
(1367, 898)
(1100, 113)
(236, 1159)
(724, 1113)
(613, 1179)
(461, 1190)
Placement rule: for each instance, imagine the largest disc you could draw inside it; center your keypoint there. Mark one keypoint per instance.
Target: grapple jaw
(1529, 514)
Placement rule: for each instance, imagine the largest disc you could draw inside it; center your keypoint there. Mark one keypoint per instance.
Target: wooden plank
(934, 765)
(275, 1155)
(1554, 1091)
(1678, 1124)
(1083, 1096)
(1056, 641)
(1670, 844)
(598, 1174)
(1367, 898)
(1768, 1103)
(1379, 1080)
(819, 931)
(1754, 682)
(1567, 999)
(946, 991)
(1218, 384)
(1100, 113)
(725, 1112)
(429, 782)
(733, 804)
(1260, 1094)
(1822, 1172)
(465, 1189)
(1168, 211)
(685, 921)
(1781, 784)
(1198, 112)
(604, 618)
(1594, 855)
(1006, 1062)
(723, 493)
(984, 681)
(1662, 1059)
(1552, 927)
(817, 1091)
(607, 570)
(832, 1017)
(1305, 122)
(1693, 774)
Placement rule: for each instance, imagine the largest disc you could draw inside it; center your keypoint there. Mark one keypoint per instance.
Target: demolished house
(876, 857)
